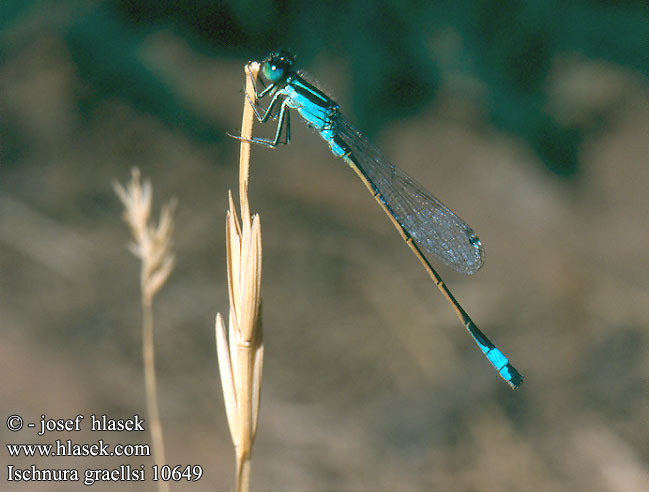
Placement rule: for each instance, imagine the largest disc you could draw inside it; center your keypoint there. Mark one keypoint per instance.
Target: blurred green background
(529, 119)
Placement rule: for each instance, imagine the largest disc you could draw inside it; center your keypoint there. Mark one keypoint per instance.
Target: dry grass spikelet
(152, 244)
(240, 348)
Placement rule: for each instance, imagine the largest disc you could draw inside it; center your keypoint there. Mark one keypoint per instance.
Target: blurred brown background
(370, 382)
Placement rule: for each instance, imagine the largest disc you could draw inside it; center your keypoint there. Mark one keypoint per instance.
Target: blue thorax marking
(318, 110)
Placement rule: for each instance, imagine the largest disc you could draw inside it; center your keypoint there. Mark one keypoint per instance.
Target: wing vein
(433, 226)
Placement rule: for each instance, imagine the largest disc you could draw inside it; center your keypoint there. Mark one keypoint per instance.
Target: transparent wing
(433, 226)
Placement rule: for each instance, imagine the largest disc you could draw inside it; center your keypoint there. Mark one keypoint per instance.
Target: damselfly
(425, 223)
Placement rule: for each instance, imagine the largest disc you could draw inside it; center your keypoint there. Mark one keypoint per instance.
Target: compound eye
(273, 71)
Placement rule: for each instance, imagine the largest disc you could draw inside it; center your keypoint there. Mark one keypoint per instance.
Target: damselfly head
(277, 65)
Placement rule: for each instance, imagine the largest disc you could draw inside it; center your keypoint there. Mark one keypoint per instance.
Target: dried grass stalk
(153, 246)
(240, 350)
